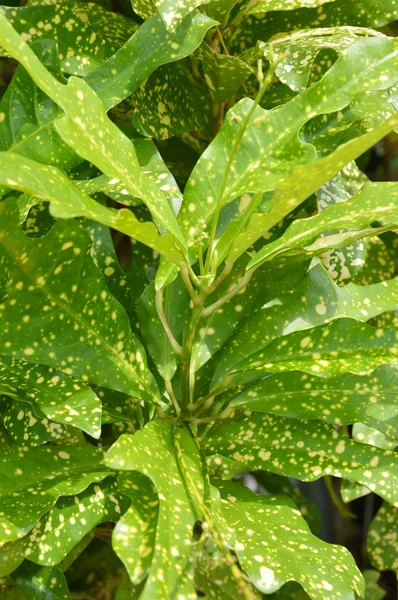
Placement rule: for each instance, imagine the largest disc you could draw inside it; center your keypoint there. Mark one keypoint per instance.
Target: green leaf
(264, 144)
(81, 329)
(28, 428)
(113, 81)
(342, 346)
(151, 46)
(267, 282)
(32, 479)
(27, 125)
(369, 435)
(172, 14)
(297, 52)
(379, 263)
(58, 396)
(372, 590)
(314, 301)
(345, 263)
(314, 448)
(355, 213)
(151, 451)
(88, 130)
(341, 400)
(47, 183)
(41, 583)
(71, 519)
(260, 6)
(215, 579)
(274, 545)
(277, 484)
(167, 104)
(134, 536)
(86, 35)
(382, 538)
(223, 74)
(364, 13)
(11, 556)
(104, 255)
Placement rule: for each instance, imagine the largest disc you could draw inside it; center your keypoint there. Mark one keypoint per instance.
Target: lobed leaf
(355, 213)
(274, 545)
(151, 451)
(71, 519)
(263, 140)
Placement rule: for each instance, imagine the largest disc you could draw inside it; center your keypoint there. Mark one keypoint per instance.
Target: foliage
(158, 340)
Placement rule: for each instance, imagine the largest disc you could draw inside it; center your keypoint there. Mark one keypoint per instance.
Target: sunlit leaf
(262, 441)
(338, 347)
(338, 400)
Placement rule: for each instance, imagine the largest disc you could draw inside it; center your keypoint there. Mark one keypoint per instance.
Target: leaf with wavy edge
(314, 301)
(382, 539)
(342, 346)
(52, 185)
(274, 545)
(355, 213)
(71, 519)
(340, 400)
(59, 397)
(314, 448)
(266, 156)
(308, 179)
(30, 428)
(32, 479)
(151, 451)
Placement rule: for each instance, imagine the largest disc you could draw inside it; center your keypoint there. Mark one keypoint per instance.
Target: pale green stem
(159, 307)
(337, 502)
(263, 88)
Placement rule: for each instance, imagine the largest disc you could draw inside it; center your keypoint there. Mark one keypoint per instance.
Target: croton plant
(196, 283)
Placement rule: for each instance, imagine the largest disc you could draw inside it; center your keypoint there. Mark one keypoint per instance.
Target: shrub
(176, 313)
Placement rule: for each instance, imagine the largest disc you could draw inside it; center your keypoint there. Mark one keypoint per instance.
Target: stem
(170, 391)
(187, 282)
(186, 388)
(217, 390)
(235, 290)
(337, 502)
(265, 83)
(159, 307)
(222, 40)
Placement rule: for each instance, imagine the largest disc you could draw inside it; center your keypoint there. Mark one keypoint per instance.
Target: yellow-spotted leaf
(340, 400)
(259, 441)
(342, 346)
(164, 454)
(79, 328)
